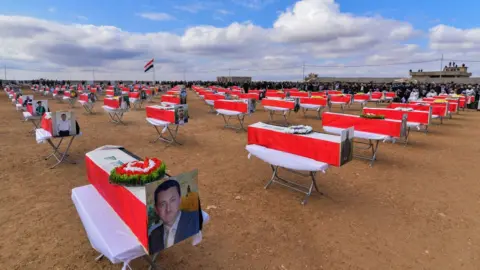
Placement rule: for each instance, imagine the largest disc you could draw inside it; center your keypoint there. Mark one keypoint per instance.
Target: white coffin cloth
(209, 102)
(311, 106)
(134, 100)
(112, 110)
(359, 134)
(157, 122)
(168, 103)
(360, 101)
(66, 98)
(338, 102)
(228, 112)
(29, 116)
(106, 232)
(273, 108)
(286, 160)
(41, 135)
(18, 107)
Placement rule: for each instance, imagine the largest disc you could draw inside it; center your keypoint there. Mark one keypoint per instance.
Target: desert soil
(416, 208)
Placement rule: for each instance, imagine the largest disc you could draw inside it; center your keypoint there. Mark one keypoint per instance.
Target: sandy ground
(417, 208)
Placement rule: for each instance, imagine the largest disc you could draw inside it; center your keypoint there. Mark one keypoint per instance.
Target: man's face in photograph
(64, 117)
(181, 113)
(168, 205)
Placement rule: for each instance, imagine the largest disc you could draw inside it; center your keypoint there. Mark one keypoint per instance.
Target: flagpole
(154, 73)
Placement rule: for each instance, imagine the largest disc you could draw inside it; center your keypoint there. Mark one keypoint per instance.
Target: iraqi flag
(149, 65)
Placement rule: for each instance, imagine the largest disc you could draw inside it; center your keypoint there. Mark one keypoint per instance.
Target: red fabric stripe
(345, 99)
(362, 97)
(275, 94)
(213, 97)
(30, 109)
(134, 95)
(46, 124)
(255, 96)
(278, 103)
(317, 149)
(298, 94)
(84, 97)
(159, 114)
(378, 126)
(171, 99)
(130, 209)
(314, 101)
(111, 102)
(232, 106)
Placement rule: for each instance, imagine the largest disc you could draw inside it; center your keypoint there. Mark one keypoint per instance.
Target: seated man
(177, 225)
(63, 126)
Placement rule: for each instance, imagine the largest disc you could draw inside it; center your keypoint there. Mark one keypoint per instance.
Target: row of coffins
(131, 203)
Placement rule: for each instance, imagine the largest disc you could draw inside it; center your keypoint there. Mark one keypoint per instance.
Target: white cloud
(193, 8)
(224, 12)
(312, 31)
(253, 4)
(447, 38)
(83, 18)
(52, 9)
(156, 16)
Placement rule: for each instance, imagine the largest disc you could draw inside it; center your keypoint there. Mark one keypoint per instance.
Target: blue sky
(122, 13)
(359, 33)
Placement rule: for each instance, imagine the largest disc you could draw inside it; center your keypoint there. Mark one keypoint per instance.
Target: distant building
(233, 79)
(448, 72)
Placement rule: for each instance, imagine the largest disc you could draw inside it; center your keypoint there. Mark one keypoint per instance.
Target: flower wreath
(138, 173)
(300, 129)
(372, 116)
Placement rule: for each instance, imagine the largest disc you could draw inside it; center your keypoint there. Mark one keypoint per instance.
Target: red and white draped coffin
(280, 104)
(376, 96)
(386, 127)
(314, 101)
(299, 94)
(249, 95)
(320, 147)
(340, 99)
(361, 98)
(413, 116)
(161, 113)
(83, 98)
(231, 107)
(109, 93)
(390, 95)
(128, 202)
(319, 94)
(452, 106)
(274, 94)
(171, 99)
(438, 110)
(113, 103)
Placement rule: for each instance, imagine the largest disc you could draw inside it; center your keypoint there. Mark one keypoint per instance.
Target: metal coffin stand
(173, 135)
(307, 190)
(238, 128)
(61, 157)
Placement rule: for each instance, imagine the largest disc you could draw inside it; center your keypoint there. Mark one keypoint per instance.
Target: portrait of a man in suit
(176, 225)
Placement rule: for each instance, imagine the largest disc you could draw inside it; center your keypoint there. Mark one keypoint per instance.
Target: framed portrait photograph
(64, 124)
(39, 107)
(181, 114)
(174, 211)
